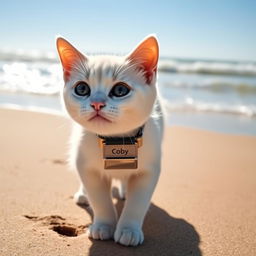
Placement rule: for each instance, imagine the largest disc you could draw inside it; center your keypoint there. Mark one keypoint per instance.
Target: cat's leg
(122, 189)
(80, 196)
(139, 191)
(98, 189)
(119, 189)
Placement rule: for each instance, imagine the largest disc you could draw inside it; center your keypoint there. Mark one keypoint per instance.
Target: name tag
(120, 151)
(120, 155)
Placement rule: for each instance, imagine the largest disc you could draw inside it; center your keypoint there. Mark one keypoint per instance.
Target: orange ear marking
(146, 54)
(69, 56)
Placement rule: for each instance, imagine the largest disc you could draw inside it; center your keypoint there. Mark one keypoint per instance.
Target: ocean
(205, 94)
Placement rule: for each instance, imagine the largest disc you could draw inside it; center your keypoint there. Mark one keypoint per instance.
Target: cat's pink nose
(98, 105)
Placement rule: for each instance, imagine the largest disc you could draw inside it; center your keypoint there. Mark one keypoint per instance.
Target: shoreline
(204, 203)
(213, 122)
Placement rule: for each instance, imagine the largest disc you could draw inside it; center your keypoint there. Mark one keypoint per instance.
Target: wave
(37, 78)
(171, 65)
(45, 78)
(208, 67)
(216, 86)
(190, 105)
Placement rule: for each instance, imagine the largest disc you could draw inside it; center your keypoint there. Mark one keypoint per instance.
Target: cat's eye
(82, 89)
(119, 90)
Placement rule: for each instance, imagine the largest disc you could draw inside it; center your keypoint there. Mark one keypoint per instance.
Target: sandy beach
(204, 203)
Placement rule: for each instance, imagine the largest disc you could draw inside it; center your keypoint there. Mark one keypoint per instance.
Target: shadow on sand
(164, 236)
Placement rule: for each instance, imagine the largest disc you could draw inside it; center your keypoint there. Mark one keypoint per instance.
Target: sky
(215, 29)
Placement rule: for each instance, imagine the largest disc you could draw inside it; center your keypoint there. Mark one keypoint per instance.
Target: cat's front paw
(129, 236)
(81, 198)
(101, 231)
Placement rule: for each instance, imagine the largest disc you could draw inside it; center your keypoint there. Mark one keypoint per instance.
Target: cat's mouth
(99, 117)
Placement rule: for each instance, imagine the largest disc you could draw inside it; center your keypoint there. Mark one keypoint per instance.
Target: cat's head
(110, 95)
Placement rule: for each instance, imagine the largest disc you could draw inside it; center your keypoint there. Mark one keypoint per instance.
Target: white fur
(140, 107)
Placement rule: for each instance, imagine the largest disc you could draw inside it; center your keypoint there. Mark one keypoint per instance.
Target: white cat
(114, 97)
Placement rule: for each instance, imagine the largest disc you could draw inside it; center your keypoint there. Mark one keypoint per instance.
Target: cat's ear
(69, 56)
(145, 55)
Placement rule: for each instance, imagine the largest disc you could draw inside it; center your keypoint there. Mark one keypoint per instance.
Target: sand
(204, 203)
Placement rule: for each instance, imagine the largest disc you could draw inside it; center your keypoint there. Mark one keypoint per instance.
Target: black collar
(137, 139)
